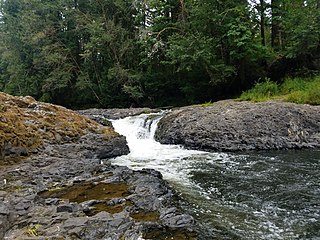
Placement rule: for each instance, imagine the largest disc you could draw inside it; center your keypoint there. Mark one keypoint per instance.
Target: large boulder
(232, 126)
(26, 124)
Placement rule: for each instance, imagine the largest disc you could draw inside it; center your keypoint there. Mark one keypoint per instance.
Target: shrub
(261, 91)
(296, 97)
(313, 92)
(291, 85)
(296, 90)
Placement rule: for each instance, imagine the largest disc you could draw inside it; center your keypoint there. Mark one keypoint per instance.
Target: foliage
(261, 91)
(130, 53)
(295, 90)
(207, 104)
(309, 92)
(293, 85)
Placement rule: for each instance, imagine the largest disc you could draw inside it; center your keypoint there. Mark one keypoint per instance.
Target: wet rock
(178, 221)
(148, 203)
(113, 148)
(69, 190)
(101, 115)
(65, 208)
(235, 126)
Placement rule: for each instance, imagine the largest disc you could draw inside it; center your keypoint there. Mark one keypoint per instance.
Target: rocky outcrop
(69, 191)
(56, 181)
(25, 125)
(100, 115)
(233, 126)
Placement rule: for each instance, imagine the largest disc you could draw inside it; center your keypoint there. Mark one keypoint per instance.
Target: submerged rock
(233, 126)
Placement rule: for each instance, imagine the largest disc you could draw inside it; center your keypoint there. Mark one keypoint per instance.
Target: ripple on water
(257, 195)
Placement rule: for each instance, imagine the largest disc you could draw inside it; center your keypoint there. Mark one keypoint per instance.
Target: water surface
(255, 195)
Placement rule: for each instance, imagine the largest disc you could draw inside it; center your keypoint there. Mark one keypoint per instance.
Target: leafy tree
(169, 52)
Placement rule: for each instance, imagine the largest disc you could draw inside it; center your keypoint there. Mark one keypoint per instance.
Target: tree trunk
(262, 22)
(276, 41)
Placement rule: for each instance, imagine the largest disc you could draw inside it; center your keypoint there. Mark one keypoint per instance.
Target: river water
(252, 195)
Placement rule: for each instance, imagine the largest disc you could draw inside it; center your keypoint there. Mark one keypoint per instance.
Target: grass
(262, 91)
(296, 90)
(207, 104)
(33, 231)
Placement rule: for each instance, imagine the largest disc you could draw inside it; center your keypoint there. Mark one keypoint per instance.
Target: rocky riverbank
(70, 191)
(100, 115)
(63, 186)
(235, 126)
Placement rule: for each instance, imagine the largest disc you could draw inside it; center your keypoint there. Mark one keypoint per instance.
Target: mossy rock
(26, 123)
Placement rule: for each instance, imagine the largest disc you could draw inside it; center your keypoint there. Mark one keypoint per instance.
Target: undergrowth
(296, 90)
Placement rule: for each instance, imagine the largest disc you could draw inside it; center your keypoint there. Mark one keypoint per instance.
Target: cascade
(250, 195)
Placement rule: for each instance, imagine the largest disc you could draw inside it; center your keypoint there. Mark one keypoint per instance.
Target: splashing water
(258, 195)
(171, 160)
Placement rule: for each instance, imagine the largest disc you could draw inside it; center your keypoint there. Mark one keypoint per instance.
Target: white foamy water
(173, 161)
(257, 195)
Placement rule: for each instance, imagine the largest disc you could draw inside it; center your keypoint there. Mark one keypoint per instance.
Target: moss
(207, 104)
(11, 161)
(27, 123)
(109, 133)
(33, 231)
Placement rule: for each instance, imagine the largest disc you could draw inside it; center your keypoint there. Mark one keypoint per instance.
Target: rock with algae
(26, 124)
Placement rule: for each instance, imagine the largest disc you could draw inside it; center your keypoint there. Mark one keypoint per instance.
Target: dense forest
(117, 53)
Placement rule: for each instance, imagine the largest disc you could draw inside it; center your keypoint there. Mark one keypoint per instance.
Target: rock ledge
(236, 126)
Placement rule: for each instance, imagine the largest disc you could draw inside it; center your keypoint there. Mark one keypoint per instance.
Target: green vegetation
(261, 91)
(33, 231)
(80, 53)
(207, 104)
(296, 90)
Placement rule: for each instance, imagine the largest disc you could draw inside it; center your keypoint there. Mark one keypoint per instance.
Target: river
(250, 195)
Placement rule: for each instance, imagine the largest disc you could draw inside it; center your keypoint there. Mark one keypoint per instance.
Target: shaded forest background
(117, 53)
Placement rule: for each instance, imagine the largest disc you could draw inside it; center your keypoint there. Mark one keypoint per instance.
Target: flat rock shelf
(236, 126)
(71, 191)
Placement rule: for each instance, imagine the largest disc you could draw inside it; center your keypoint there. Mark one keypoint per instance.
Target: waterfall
(145, 152)
(249, 195)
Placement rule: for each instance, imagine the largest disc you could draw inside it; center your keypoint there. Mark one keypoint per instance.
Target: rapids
(250, 195)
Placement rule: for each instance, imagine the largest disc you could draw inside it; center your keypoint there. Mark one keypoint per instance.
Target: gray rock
(60, 167)
(65, 208)
(75, 222)
(236, 126)
(101, 115)
(4, 210)
(113, 148)
(179, 221)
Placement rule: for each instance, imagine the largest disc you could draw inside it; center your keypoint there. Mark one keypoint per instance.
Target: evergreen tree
(169, 52)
